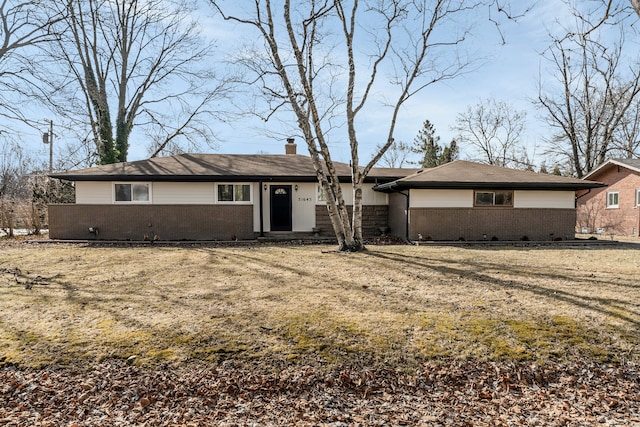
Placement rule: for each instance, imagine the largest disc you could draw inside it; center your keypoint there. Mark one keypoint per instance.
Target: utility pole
(47, 138)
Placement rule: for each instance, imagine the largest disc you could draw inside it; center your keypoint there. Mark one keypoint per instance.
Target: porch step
(288, 235)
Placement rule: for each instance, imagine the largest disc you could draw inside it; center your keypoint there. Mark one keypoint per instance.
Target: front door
(280, 208)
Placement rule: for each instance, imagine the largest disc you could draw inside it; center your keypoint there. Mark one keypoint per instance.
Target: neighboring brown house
(470, 201)
(616, 208)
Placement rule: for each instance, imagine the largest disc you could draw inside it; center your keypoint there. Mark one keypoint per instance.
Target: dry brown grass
(271, 305)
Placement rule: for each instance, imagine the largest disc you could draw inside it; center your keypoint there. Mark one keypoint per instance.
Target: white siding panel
(369, 197)
(373, 198)
(183, 193)
(441, 198)
(94, 192)
(347, 193)
(544, 199)
(256, 191)
(304, 207)
(266, 209)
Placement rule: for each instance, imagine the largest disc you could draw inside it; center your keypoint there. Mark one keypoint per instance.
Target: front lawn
(302, 335)
(392, 306)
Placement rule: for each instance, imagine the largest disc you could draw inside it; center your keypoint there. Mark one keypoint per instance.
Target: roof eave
(606, 164)
(192, 178)
(404, 185)
(209, 178)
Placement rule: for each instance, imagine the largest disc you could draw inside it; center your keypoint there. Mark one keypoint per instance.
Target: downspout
(578, 197)
(406, 219)
(261, 210)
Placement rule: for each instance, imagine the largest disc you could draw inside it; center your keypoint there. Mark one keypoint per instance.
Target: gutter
(406, 218)
(582, 195)
(261, 209)
(392, 187)
(200, 178)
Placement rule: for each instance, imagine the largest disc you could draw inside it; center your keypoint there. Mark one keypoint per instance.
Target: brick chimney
(290, 147)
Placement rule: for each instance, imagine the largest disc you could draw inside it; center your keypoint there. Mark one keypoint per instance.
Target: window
(234, 193)
(613, 199)
(320, 194)
(638, 197)
(130, 192)
(494, 198)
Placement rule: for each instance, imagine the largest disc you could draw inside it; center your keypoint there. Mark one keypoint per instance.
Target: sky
(510, 73)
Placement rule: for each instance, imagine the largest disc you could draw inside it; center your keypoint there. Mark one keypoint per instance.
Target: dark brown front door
(280, 208)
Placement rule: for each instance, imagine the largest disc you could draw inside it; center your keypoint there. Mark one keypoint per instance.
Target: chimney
(290, 147)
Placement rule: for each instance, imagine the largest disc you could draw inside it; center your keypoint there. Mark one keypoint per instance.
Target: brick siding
(373, 217)
(503, 223)
(592, 206)
(137, 222)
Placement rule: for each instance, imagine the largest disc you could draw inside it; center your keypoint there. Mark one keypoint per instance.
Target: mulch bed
(115, 393)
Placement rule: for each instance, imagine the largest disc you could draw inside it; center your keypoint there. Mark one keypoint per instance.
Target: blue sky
(510, 73)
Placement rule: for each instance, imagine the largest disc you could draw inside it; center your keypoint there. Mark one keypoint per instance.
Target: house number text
(304, 199)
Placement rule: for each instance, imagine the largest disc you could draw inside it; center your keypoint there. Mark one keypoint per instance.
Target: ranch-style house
(220, 197)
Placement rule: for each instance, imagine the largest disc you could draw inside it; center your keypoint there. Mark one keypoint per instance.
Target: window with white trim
(320, 194)
(131, 192)
(613, 199)
(493, 198)
(234, 193)
(638, 197)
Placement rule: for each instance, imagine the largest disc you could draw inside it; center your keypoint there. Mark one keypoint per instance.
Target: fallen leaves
(460, 393)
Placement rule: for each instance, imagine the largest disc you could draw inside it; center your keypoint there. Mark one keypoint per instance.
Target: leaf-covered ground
(302, 335)
(450, 394)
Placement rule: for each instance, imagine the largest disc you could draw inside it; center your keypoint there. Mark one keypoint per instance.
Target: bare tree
(396, 155)
(24, 24)
(14, 183)
(626, 140)
(127, 63)
(493, 128)
(594, 95)
(326, 60)
(611, 9)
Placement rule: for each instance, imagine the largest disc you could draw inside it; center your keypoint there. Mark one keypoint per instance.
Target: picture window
(132, 192)
(494, 198)
(235, 193)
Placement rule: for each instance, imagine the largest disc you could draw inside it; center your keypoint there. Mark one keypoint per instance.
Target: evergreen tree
(432, 154)
(543, 168)
(449, 153)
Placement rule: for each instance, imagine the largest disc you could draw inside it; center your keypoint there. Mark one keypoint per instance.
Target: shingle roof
(462, 174)
(633, 164)
(217, 167)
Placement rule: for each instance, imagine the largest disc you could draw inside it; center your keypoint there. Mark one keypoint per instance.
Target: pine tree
(432, 154)
(449, 153)
(543, 168)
